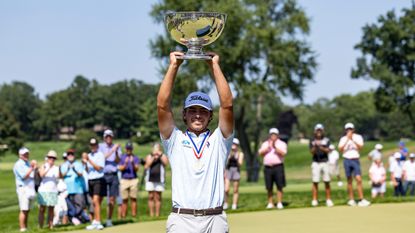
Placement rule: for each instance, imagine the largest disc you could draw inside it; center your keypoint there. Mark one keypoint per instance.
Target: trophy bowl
(195, 30)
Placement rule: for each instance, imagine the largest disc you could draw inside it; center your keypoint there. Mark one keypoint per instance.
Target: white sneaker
(270, 206)
(280, 206)
(76, 221)
(363, 203)
(95, 226)
(23, 229)
(225, 206)
(108, 223)
(339, 183)
(99, 226)
(329, 203)
(314, 203)
(351, 203)
(234, 207)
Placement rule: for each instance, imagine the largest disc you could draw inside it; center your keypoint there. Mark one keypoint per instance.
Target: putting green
(379, 218)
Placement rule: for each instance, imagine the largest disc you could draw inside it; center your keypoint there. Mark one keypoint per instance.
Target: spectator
(396, 175)
(403, 150)
(88, 199)
(233, 174)
(334, 167)
(319, 148)
(155, 177)
(129, 181)
(48, 189)
(95, 162)
(25, 187)
(377, 151)
(377, 175)
(197, 156)
(350, 145)
(274, 151)
(61, 208)
(112, 153)
(409, 174)
(72, 173)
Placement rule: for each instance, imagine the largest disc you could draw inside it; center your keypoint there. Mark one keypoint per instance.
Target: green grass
(252, 195)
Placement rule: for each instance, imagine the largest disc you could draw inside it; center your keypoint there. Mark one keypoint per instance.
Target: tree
(261, 54)
(21, 100)
(388, 57)
(10, 134)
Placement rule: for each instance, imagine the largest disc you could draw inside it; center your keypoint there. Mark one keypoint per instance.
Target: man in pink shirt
(274, 151)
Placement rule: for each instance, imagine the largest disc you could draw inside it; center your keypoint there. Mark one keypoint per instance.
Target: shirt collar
(193, 135)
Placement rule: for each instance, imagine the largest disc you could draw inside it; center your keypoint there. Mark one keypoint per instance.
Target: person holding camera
(155, 177)
(377, 175)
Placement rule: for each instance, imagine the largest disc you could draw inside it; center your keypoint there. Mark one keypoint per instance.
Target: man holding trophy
(198, 155)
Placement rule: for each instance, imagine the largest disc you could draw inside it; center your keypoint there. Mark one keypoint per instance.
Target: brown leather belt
(202, 212)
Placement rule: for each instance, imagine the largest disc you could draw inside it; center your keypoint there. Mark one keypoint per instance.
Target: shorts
(25, 200)
(112, 184)
(380, 189)
(352, 167)
(334, 169)
(274, 174)
(47, 198)
(318, 170)
(154, 186)
(97, 187)
(129, 188)
(233, 174)
(187, 223)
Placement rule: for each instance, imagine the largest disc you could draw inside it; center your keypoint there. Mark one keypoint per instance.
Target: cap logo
(198, 97)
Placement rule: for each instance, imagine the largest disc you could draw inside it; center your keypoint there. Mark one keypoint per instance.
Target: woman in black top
(233, 174)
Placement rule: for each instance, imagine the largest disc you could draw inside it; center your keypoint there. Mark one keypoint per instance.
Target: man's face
(129, 151)
(197, 118)
(94, 147)
(273, 137)
(108, 139)
(349, 130)
(318, 133)
(25, 156)
(70, 157)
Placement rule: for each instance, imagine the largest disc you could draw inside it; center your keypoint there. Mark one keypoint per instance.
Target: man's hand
(173, 58)
(214, 60)
(349, 134)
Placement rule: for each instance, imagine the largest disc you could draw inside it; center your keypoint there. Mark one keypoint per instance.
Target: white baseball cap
(378, 147)
(23, 151)
(349, 126)
(235, 141)
(198, 98)
(319, 126)
(397, 155)
(274, 131)
(411, 155)
(108, 132)
(93, 141)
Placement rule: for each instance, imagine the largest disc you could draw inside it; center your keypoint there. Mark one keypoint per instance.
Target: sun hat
(411, 155)
(397, 155)
(93, 141)
(198, 98)
(52, 154)
(332, 147)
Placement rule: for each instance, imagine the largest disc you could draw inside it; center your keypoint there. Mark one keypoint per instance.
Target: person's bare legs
(270, 194)
(124, 207)
(50, 216)
(133, 207)
(359, 187)
(119, 215)
(314, 191)
(227, 187)
(65, 219)
(111, 204)
(350, 187)
(96, 199)
(328, 190)
(151, 203)
(41, 216)
(279, 195)
(235, 193)
(157, 200)
(23, 216)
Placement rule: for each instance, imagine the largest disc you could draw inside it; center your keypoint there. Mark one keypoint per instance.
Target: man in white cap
(112, 153)
(409, 174)
(274, 151)
(319, 148)
(396, 175)
(376, 152)
(25, 186)
(350, 145)
(197, 156)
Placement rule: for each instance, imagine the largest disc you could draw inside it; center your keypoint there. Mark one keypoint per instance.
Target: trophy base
(201, 56)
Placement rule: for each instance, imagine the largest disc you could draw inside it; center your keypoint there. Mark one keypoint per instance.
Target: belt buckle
(198, 213)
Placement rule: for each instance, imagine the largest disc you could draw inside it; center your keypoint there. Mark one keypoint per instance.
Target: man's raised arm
(165, 114)
(226, 123)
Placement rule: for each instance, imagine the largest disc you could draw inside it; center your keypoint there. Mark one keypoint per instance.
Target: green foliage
(10, 134)
(81, 142)
(388, 57)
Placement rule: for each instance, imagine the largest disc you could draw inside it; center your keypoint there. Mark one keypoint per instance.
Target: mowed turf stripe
(379, 218)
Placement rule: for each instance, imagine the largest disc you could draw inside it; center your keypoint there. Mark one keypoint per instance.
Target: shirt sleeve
(282, 146)
(101, 160)
(358, 139)
(21, 170)
(225, 143)
(342, 142)
(169, 143)
(264, 147)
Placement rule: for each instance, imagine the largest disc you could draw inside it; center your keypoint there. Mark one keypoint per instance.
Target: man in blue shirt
(112, 153)
(25, 186)
(95, 162)
(72, 173)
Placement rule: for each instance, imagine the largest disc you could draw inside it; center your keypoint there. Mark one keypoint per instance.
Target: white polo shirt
(197, 183)
(351, 150)
(409, 168)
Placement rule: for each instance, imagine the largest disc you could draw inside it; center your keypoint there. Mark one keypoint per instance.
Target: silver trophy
(195, 30)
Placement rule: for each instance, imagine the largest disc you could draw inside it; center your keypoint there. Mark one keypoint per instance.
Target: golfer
(198, 155)
(350, 145)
